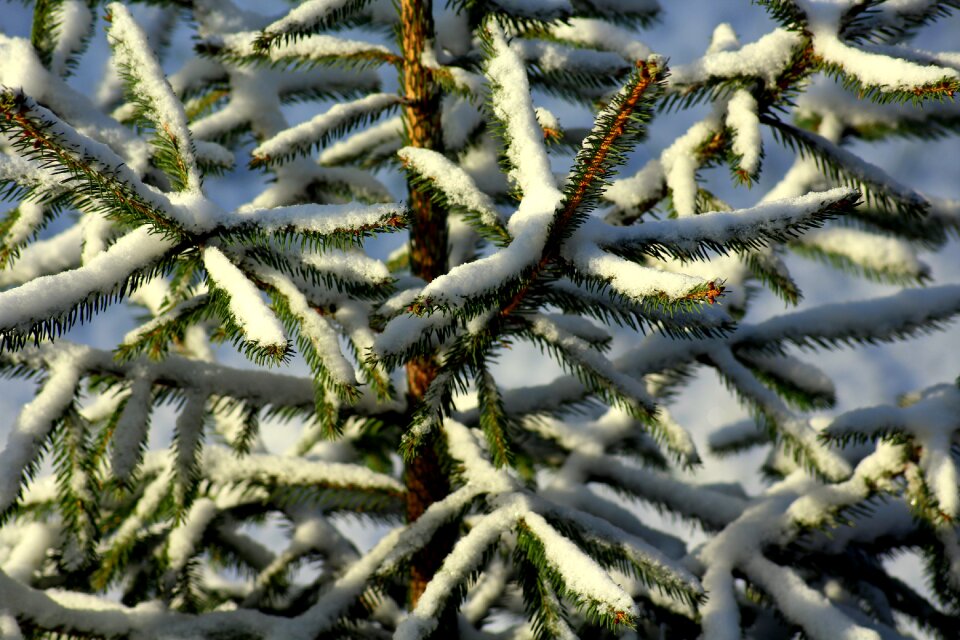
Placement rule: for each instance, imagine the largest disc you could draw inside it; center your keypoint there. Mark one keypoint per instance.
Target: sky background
(863, 376)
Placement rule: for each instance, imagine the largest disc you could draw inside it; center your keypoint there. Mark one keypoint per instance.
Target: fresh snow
(872, 69)
(313, 47)
(870, 250)
(33, 426)
(317, 330)
(691, 233)
(74, 23)
(765, 59)
(132, 50)
(742, 118)
(130, 434)
(581, 574)
(56, 295)
(603, 35)
(306, 15)
(321, 219)
(455, 184)
(247, 308)
(529, 164)
(307, 134)
(629, 278)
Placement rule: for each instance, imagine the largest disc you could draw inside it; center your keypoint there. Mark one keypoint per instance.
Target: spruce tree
(506, 512)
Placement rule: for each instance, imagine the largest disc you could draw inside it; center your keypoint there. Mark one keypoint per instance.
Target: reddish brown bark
(424, 476)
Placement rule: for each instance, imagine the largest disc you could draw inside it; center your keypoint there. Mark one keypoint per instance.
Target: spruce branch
(311, 17)
(97, 179)
(156, 106)
(842, 166)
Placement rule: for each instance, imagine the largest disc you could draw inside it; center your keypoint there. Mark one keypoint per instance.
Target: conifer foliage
(506, 512)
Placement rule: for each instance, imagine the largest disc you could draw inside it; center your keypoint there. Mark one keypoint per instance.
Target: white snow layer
(305, 135)
(529, 164)
(74, 21)
(742, 118)
(602, 35)
(687, 234)
(764, 59)
(317, 330)
(132, 50)
(581, 573)
(132, 428)
(455, 183)
(456, 569)
(54, 295)
(314, 218)
(33, 426)
(872, 69)
(251, 314)
(306, 15)
(313, 47)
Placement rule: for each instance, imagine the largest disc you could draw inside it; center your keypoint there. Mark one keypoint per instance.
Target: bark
(425, 478)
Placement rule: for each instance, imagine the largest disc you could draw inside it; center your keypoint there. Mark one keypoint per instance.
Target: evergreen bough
(496, 500)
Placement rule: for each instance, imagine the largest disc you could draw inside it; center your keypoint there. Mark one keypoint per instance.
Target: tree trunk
(424, 476)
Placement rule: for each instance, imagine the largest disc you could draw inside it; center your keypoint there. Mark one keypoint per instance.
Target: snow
(183, 541)
(55, 295)
(29, 553)
(629, 278)
(303, 136)
(456, 569)
(25, 72)
(385, 132)
(765, 59)
(602, 35)
(879, 318)
(510, 98)
(132, 51)
(771, 406)
(484, 594)
(644, 186)
(313, 47)
(155, 491)
(349, 265)
(221, 465)
(543, 9)
(720, 615)
(305, 16)
(689, 235)
(317, 330)
(713, 508)
(340, 594)
(873, 473)
(75, 22)
(552, 57)
(580, 573)
(724, 38)
(33, 426)
(585, 446)
(931, 420)
(29, 218)
(871, 250)
(452, 181)
(579, 352)
(247, 308)
(130, 434)
(742, 118)
(803, 605)
(9, 628)
(872, 69)
(320, 219)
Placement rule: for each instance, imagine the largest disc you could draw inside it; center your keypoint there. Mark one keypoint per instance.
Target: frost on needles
(501, 511)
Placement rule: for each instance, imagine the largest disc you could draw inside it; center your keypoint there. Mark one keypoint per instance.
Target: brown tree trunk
(424, 476)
